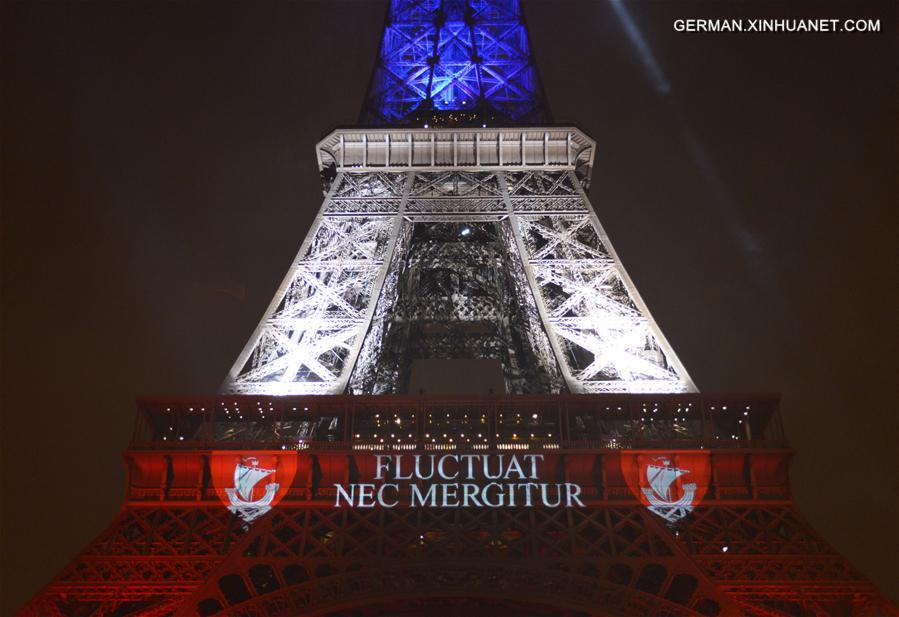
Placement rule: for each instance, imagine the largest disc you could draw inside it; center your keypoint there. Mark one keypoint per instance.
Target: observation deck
(582, 439)
(429, 423)
(399, 149)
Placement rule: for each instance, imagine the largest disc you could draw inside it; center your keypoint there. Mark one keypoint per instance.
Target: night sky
(159, 177)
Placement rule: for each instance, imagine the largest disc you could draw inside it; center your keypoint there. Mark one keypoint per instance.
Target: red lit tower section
(625, 546)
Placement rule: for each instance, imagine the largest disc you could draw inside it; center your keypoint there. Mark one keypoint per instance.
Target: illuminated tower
(460, 230)
(455, 224)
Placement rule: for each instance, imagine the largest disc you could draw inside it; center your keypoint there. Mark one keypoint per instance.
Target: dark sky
(159, 176)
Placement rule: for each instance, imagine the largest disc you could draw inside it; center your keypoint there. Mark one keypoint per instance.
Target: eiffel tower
(456, 225)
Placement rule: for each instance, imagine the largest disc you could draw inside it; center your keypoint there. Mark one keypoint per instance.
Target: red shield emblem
(250, 483)
(669, 484)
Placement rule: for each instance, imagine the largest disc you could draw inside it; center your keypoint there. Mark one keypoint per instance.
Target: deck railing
(430, 423)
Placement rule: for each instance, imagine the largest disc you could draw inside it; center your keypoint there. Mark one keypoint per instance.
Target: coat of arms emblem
(668, 497)
(669, 484)
(247, 474)
(251, 483)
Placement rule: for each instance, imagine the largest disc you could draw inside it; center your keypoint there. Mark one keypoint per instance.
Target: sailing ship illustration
(661, 476)
(247, 474)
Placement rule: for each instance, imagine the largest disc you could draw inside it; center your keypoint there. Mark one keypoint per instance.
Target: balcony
(426, 423)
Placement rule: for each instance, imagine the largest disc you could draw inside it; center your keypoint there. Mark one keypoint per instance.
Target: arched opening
(234, 589)
(451, 589)
(458, 607)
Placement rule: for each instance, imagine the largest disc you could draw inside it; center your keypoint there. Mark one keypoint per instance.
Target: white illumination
(313, 335)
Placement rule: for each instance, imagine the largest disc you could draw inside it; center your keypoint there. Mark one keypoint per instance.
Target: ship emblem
(247, 474)
(664, 486)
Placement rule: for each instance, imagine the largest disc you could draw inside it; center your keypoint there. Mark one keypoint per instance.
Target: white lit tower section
(455, 224)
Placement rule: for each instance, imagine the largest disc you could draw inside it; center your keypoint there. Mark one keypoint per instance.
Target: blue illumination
(455, 55)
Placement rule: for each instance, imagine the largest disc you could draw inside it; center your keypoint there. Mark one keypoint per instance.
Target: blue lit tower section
(454, 62)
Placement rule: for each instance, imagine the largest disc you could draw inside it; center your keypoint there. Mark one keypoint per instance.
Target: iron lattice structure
(456, 62)
(176, 550)
(444, 235)
(457, 243)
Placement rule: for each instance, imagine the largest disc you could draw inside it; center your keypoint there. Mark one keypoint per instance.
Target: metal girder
(538, 269)
(309, 336)
(457, 242)
(177, 549)
(457, 59)
(616, 552)
(462, 149)
(614, 560)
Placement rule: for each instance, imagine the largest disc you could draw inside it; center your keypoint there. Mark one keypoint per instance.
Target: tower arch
(441, 586)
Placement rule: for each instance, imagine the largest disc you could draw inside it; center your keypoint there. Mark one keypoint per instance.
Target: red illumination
(669, 484)
(245, 476)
